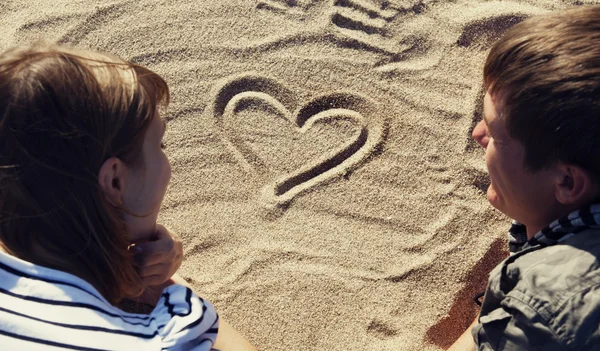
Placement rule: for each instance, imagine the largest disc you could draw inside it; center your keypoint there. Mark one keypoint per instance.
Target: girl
(82, 177)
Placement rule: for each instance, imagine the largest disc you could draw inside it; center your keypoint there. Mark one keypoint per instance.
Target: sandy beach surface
(324, 180)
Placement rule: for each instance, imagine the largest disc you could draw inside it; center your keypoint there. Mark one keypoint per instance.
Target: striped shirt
(46, 309)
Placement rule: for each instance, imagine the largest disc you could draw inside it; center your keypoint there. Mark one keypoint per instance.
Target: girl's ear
(111, 180)
(575, 185)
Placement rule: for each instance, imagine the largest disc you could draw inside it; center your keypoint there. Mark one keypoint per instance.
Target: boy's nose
(480, 134)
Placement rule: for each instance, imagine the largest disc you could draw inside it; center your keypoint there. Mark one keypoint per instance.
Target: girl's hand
(158, 258)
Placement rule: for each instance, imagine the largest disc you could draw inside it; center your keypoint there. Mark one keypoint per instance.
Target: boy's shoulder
(559, 267)
(561, 283)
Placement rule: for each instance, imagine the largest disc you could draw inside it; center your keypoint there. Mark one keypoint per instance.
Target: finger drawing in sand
(268, 94)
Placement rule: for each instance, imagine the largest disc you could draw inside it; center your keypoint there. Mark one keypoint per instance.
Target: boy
(541, 135)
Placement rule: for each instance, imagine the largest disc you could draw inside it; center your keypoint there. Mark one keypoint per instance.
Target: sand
(324, 181)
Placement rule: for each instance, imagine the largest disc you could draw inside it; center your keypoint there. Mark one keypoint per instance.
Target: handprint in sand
(372, 26)
(294, 7)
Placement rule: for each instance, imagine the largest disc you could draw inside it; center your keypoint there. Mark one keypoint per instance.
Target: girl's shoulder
(42, 306)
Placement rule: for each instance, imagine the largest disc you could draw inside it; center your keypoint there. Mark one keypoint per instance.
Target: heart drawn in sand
(248, 89)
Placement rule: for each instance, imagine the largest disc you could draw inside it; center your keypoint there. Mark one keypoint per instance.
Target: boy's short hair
(545, 74)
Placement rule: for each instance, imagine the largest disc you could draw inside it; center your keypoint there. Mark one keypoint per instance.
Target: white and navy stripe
(563, 228)
(45, 309)
(517, 237)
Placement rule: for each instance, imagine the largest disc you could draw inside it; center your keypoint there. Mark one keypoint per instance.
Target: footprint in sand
(485, 23)
(360, 24)
(483, 33)
(270, 97)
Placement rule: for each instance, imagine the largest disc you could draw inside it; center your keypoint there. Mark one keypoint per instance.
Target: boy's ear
(111, 180)
(575, 185)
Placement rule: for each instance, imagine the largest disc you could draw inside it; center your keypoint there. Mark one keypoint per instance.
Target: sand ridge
(324, 181)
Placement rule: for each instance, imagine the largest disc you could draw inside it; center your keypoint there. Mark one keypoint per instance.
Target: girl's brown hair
(63, 113)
